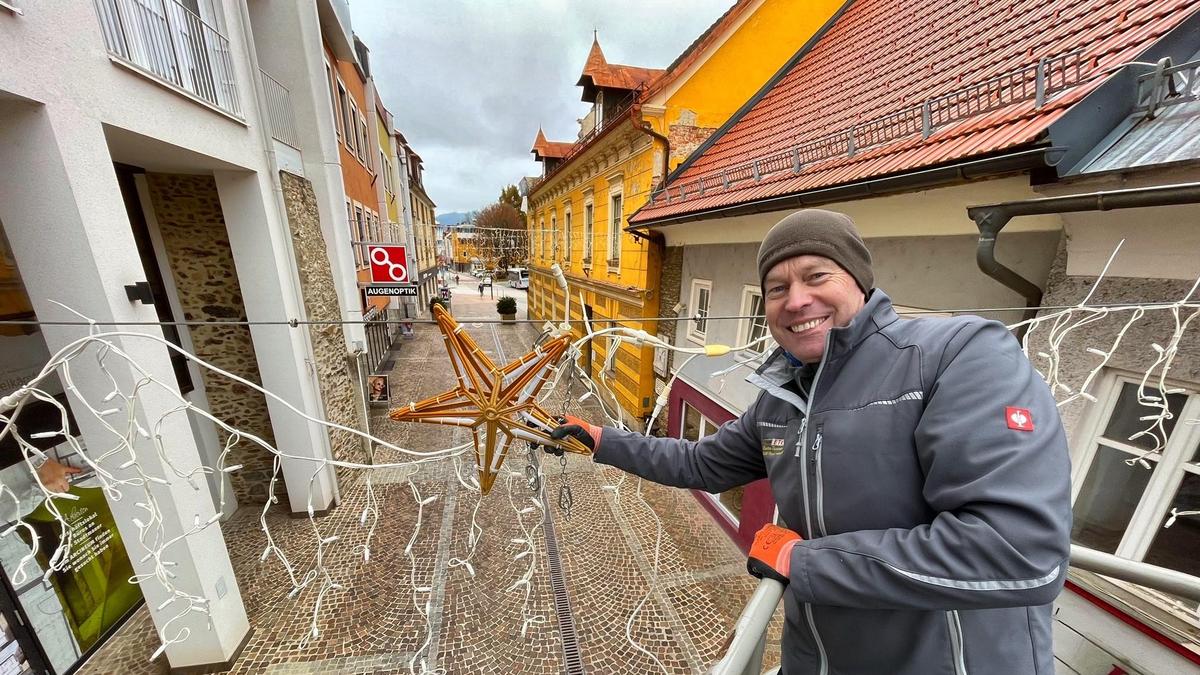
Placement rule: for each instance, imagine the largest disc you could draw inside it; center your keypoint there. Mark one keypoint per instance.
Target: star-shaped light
(498, 405)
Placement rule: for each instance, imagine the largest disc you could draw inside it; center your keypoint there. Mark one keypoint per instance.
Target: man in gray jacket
(920, 468)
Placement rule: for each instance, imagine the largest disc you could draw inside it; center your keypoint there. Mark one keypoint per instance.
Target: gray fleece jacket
(926, 467)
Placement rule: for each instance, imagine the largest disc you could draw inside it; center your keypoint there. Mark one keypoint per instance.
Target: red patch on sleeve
(1018, 418)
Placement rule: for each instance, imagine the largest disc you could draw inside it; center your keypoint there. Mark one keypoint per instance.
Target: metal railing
(1167, 86)
(167, 40)
(379, 340)
(1034, 82)
(279, 111)
(745, 652)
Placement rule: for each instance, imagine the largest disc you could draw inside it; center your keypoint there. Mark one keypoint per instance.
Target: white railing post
(745, 653)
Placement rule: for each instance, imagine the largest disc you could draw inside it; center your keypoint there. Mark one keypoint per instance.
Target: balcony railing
(279, 111)
(618, 114)
(170, 42)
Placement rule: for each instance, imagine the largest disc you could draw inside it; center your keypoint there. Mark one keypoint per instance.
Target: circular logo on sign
(396, 270)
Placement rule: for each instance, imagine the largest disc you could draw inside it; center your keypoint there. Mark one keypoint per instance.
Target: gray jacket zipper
(816, 447)
(812, 397)
(956, 642)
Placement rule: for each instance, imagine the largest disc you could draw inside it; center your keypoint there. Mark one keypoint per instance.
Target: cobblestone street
(678, 614)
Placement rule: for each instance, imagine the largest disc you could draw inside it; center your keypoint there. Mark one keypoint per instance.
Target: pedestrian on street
(920, 469)
(455, 279)
(481, 289)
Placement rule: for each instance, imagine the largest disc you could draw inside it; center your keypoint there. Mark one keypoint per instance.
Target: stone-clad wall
(190, 220)
(339, 391)
(1135, 353)
(669, 290)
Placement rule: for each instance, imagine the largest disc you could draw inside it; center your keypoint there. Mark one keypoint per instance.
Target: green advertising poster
(94, 585)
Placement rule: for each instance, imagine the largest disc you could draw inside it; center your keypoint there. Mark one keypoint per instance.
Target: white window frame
(331, 76)
(699, 335)
(554, 235)
(1170, 467)
(615, 218)
(745, 326)
(589, 230)
(567, 234)
(351, 134)
(363, 140)
(343, 105)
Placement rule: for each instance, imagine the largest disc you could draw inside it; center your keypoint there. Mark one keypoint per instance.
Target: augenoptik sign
(389, 272)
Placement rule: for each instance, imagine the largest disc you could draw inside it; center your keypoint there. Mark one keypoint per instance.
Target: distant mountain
(452, 218)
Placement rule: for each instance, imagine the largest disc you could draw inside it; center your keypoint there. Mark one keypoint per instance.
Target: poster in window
(93, 586)
(378, 390)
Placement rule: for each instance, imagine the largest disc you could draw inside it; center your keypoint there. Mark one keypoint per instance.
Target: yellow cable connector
(716, 350)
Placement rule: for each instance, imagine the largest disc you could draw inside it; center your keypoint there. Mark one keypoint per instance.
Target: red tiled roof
(544, 149)
(599, 73)
(885, 57)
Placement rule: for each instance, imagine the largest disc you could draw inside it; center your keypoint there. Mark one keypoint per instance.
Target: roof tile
(884, 57)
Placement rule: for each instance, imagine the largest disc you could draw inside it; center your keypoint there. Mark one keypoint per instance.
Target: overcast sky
(469, 81)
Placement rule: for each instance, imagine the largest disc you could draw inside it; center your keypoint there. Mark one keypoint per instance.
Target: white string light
(117, 415)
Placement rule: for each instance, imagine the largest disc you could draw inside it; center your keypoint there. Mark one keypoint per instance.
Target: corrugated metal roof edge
(1022, 159)
(758, 95)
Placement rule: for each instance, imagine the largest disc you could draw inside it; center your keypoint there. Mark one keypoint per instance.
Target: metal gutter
(644, 127)
(992, 218)
(1025, 160)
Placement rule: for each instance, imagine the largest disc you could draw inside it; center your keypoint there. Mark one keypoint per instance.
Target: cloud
(470, 81)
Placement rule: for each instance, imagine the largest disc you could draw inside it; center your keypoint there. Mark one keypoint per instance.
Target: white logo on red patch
(1018, 418)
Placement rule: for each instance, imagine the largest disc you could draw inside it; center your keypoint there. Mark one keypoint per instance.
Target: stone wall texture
(340, 391)
(1135, 353)
(192, 226)
(669, 289)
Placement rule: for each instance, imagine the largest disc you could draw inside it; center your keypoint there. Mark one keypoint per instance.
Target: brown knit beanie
(817, 232)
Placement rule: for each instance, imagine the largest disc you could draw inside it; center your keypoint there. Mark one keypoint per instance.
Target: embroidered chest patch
(772, 446)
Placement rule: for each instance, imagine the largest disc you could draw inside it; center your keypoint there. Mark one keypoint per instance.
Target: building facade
(642, 122)
(163, 165)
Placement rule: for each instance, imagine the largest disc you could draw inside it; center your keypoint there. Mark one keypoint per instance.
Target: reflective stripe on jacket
(927, 471)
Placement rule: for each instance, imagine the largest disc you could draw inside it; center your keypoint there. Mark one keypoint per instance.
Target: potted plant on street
(507, 307)
(439, 301)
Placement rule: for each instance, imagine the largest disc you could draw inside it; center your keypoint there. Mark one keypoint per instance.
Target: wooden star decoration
(498, 405)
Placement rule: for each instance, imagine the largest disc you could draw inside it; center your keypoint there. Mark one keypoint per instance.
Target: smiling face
(805, 296)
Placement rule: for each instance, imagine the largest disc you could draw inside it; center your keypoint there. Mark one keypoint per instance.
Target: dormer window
(598, 108)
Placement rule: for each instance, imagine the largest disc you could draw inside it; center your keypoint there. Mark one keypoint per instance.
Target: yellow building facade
(590, 186)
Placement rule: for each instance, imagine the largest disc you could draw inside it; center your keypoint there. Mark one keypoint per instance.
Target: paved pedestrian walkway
(679, 613)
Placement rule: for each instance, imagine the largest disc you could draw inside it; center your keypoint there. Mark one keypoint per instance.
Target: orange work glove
(588, 434)
(771, 553)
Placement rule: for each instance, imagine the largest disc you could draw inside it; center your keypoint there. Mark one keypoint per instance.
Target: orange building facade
(357, 149)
